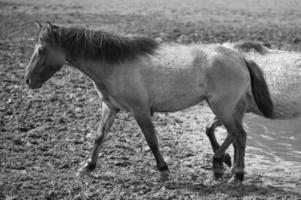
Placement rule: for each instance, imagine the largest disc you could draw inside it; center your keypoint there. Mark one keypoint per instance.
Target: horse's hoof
(218, 172)
(83, 173)
(237, 178)
(234, 181)
(240, 176)
(86, 169)
(164, 175)
(218, 168)
(227, 160)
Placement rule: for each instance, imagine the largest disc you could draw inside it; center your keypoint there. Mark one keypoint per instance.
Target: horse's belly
(176, 89)
(177, 104)
(173, 96)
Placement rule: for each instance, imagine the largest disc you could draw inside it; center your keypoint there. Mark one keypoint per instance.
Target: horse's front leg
(108, 115)
(240, 148)
(147, 127)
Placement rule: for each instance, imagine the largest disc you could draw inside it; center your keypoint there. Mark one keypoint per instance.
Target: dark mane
(99, 45)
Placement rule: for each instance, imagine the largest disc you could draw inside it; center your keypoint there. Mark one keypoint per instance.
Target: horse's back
(176, 77)
(180, 76)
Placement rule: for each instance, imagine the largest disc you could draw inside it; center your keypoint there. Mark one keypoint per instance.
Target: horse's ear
(39, 26)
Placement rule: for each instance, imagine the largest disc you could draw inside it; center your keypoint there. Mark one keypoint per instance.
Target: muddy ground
(47, 134)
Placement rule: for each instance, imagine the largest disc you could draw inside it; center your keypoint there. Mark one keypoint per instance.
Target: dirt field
(47, 134)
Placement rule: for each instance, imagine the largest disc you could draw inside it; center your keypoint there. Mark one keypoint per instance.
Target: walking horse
(140, 76)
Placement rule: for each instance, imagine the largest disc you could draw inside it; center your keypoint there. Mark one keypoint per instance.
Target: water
(280, 138)
(273, 145)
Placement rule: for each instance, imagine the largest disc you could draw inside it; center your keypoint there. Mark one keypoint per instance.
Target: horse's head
(47, 58)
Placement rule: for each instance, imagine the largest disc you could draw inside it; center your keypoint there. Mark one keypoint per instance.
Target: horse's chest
(116, 103)
(109, 99)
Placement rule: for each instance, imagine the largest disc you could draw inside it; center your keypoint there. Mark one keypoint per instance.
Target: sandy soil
(47, 134)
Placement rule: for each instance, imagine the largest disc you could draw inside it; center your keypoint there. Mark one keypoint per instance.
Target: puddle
(273, 145)
(281, 138)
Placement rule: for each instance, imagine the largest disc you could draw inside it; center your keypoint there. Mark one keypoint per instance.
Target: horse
(141, 76)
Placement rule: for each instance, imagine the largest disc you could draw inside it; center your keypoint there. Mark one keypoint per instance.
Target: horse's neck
(93, 69)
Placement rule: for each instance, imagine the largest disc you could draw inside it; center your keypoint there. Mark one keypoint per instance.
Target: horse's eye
(42, 50)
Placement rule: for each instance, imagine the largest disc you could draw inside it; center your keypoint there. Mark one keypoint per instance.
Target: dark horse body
(143, 77)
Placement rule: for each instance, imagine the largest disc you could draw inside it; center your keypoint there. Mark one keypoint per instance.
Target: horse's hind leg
(237, 136)
(230, 114)
(218, 158)
(240, 141)
(108, 115)
(210, 129)
(147, 127)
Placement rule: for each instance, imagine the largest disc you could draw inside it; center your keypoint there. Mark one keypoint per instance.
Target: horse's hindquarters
(228, 82)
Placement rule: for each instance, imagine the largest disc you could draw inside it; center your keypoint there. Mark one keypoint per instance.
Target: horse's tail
(260, 89)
